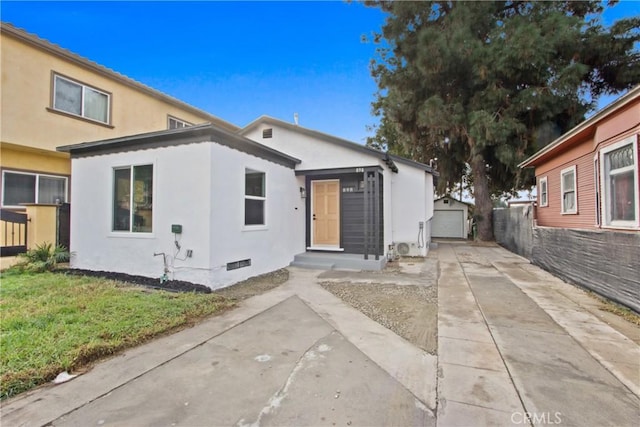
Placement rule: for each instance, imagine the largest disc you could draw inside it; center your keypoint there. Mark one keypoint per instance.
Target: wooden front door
(325, 216)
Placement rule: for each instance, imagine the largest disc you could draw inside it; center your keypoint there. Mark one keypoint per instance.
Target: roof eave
(264, 119)
(585, 126)
(47, 46)
(200, 133)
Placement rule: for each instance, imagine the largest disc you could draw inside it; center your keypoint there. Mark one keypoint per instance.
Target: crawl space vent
(238, 264)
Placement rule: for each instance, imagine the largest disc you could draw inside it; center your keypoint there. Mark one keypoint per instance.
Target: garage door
(448, 223)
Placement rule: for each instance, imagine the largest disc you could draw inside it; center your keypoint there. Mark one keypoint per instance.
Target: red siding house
(587, 227)
(589, 177)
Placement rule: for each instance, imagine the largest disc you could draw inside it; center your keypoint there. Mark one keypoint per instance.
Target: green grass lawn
(52, 322)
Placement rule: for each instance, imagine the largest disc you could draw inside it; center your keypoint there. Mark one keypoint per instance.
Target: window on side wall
(24, 187)
(568, 190)
(133, 199)
(81, 100)
(620, 183)
(543, 192)
(254, 197)
(175, 123)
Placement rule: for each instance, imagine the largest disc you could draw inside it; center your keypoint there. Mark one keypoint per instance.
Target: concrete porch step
(337, 260)
(315, 265)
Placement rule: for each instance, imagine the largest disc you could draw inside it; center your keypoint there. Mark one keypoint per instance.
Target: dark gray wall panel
(352, 219)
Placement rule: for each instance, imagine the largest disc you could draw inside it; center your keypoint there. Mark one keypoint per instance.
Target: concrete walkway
(516, 347)
(296, 355)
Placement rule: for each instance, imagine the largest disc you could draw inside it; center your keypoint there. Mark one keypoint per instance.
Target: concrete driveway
(515, 347)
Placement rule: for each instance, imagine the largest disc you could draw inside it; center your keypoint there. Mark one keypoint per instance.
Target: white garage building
(450, 218)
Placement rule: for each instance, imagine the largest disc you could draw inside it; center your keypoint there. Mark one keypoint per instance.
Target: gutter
(619, 103)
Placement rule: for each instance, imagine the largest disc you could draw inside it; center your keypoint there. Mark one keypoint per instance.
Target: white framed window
(26, 187)
(596, 180)
(254, 197)
(543, 192)
(568, 190)
(175, 123)
(81, 100)
(619, 184)
(133, 199)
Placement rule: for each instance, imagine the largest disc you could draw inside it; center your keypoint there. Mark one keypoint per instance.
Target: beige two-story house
(52, 97)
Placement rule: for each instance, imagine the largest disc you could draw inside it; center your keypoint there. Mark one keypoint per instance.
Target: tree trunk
(484, 205)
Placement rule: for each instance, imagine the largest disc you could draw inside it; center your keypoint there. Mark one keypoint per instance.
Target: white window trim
(57, 76)
(546, 184)
(130, 233)
(174, 118)
(575, 191)
(598, 193)
(254, 227)
(37, 189)
(633, 139)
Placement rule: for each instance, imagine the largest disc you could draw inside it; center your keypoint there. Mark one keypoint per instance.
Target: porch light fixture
(303, 193)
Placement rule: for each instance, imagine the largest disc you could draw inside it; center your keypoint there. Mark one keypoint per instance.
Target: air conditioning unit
(407, 249)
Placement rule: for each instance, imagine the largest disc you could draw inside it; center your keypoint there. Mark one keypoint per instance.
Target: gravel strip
(408, 310)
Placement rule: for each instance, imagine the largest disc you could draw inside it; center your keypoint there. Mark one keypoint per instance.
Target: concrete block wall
(513, 229)
(606, 262)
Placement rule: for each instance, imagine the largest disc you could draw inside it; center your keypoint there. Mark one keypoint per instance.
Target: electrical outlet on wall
(189, 253)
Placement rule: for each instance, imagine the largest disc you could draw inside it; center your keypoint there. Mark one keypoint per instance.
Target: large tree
(482, 85)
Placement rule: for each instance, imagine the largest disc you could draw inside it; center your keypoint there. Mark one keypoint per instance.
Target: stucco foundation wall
(606, 262)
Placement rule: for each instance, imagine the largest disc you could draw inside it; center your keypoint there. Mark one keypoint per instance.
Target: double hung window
(568, 190)
(254, 197)
(619, 183)
(543, 192)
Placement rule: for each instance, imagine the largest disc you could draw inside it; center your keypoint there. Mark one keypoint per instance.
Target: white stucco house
(208, 206)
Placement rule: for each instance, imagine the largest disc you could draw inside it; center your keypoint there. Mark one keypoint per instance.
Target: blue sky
(236, 60)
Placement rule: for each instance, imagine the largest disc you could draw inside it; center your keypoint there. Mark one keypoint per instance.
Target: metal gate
(64, 224)
(13, 232)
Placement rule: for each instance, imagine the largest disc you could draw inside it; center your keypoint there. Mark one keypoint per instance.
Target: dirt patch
(149, 282)
(241, 290)
(410, 311)
(254, 285)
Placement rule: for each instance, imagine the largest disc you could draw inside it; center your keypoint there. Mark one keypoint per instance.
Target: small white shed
(450, 218)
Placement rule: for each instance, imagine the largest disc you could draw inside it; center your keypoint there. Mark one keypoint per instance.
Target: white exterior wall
(408, 194)
(181, 195)
(314, 153)
(269, 247)
(429, 207)
(201, 187)
(410, 205)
